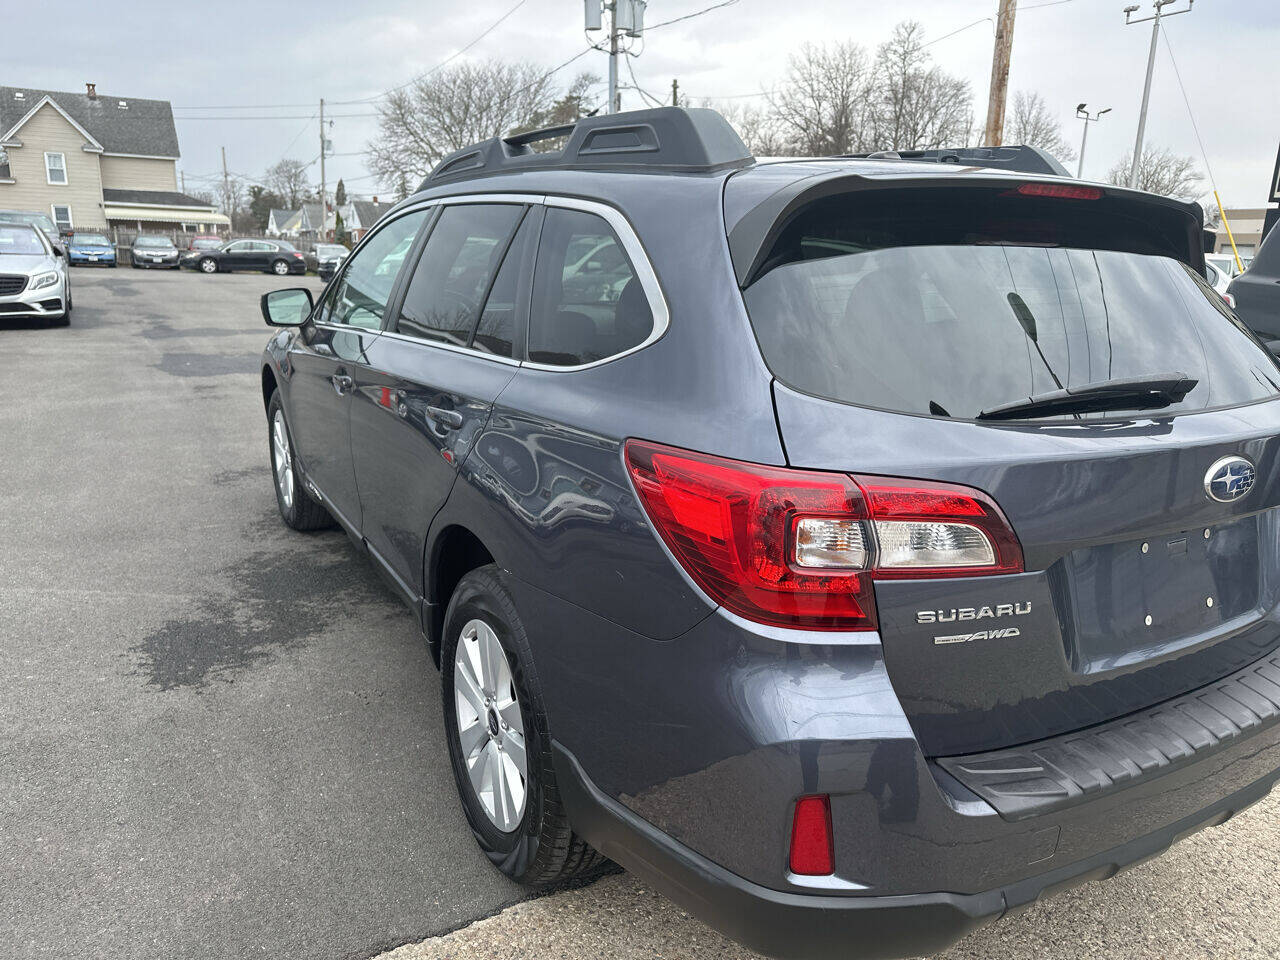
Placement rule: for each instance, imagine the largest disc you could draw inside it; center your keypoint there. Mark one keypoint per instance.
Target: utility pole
(615, 98)
(320, 235)
(1159, 6)
(625, 17)
(182, 176)
(675, 93)
(1083, 114)
(226, 184)
(994, 134)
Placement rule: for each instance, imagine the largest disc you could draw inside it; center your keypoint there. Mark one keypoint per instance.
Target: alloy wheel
(208, 266)
(280, 268)
(283, 458)
(490, 726)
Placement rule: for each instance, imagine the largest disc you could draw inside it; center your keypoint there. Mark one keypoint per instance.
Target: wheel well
(268, 385)
(458, 551)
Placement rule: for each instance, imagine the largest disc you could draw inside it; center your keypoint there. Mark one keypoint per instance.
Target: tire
(208, 265)
(280, 268)
(538, 846)
(298, 509)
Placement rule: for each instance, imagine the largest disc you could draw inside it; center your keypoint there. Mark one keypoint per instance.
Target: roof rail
(1019, 159)
(674, 139)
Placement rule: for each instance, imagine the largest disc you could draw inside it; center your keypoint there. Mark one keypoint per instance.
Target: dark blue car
(856, 549)
(90, 248)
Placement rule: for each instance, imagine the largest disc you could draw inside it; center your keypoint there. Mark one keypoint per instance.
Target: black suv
(856, 549)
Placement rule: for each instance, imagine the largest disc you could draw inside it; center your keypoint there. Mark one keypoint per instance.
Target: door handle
(451, 419)
(342, 383)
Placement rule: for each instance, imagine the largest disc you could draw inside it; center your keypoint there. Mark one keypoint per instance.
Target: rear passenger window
(454, 273)
(587, 301)
(495, 332)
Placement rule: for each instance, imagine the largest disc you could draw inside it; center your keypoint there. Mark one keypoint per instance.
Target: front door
(238, 255)
(333, 351)
(425, 395)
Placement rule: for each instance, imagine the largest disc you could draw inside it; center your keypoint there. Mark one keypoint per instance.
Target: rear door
(1149, 537)
(431, 379)
(334, 349)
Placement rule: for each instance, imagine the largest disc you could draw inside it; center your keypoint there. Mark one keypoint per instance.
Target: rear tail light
(1231, 300)
(1060, 191)
(812, 849)
(800, 548)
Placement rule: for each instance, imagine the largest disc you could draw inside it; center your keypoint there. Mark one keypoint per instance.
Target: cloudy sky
(218, 63)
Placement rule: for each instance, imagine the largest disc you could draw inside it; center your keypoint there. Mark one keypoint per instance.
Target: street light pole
(1083, 114)
(1159, 6)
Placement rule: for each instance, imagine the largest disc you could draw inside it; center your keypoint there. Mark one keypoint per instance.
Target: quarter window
(61, 217)
(588, 303)
(55, 168)
(360, 296)
(454, 275)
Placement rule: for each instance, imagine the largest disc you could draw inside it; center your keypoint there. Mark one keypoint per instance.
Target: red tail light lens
(812, 849)
(731, 526)
(801, 548)
(1060, 191)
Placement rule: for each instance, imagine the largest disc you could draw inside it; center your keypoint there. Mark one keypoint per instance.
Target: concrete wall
(49, 131)
(135, 173)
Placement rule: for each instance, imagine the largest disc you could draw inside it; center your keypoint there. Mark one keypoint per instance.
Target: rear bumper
(816, 927)
(682, 760)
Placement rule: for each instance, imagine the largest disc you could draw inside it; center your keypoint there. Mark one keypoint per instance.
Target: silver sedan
(33, 276)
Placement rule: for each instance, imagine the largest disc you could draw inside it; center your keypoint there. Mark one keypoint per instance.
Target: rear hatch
(905, 325)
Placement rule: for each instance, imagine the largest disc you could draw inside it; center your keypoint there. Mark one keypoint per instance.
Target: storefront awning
(125, 212)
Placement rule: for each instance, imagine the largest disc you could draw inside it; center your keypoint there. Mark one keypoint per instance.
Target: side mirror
(1274, 347)
(287, 308)
(59, 250)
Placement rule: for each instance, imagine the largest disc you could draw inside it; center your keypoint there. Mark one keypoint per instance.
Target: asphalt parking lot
(222, 739)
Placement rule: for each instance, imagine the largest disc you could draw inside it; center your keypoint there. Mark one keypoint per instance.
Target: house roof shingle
(168, 198)
(142, 127)
(369, 212)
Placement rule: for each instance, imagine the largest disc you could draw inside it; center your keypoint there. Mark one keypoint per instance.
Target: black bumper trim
(821, 927)
(1061, 771)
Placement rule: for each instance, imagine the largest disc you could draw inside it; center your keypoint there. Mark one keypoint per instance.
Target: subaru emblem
(1229, 479)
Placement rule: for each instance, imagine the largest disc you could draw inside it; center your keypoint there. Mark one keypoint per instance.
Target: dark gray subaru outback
(856, 549)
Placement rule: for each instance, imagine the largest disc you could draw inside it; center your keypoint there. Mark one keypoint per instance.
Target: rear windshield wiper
(1137, 393)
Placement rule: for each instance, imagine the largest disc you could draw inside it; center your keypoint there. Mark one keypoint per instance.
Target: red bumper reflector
(812, 850)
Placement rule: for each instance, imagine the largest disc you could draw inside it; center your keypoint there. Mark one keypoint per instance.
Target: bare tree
(288, 179)
(1161, 171)
(821, 107)
(232, 196)
(1032, 123)
(420, 124)
(918, 105)
(757, 126)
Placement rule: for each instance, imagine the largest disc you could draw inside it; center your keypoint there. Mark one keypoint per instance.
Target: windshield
(950, 329)
(330, 250)
(90, 240)
(21, 240)
(159, 242)
(35, 219)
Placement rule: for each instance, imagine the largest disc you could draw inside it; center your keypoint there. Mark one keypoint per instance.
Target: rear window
(949, 309)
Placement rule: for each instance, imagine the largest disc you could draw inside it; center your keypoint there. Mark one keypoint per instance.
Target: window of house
(55, 168)
(5, 173)
(587, 301)
(62, 217)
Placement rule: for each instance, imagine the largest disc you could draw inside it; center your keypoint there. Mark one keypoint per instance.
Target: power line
(641, 90)
(445, 62)
(291, 116)
(954, 32)
(690, 16)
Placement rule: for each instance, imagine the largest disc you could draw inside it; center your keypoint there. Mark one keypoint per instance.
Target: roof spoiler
(1020, 159)
(672, 139)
